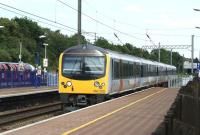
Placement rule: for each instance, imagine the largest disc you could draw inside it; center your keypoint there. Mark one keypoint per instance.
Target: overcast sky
(170, 22)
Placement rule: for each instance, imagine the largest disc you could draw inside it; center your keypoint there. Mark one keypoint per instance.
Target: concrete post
(192, 53)
(79, 21)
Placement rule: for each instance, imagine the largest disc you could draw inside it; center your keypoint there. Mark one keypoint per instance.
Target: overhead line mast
(173, 47)
(79, 21)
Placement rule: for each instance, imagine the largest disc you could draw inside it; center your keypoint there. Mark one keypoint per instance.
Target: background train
(89, 74)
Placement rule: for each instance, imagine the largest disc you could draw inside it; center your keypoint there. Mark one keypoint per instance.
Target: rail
(15, 115)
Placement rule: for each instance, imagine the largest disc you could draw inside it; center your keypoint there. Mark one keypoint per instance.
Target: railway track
(22, 109)
(28, 112)
(34, 109)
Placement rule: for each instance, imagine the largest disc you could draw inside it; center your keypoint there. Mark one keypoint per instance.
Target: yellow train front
(83, 75)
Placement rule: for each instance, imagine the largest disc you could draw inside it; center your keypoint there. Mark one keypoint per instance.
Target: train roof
(87, 49)
(98, 51)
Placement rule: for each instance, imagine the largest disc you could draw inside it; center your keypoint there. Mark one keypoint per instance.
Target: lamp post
(42, 36)
(196, 9)
(20, 52)
(45, 60)
(45, 51)
(197, 101)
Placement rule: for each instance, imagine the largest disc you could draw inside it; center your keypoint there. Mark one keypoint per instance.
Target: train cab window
(94, 65)
(72, 65)
(83, 68)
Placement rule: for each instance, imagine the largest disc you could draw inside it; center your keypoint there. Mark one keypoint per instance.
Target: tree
(4, 55)
(27, 31)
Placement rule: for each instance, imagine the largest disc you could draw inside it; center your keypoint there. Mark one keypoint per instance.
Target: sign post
(198, 68)
(45, 64)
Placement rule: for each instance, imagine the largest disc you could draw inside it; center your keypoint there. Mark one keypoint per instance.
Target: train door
(142, 74)
(116, 76)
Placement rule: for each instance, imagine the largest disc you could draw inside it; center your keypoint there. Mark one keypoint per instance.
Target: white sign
(21, 66)
(188, 65)
(45, 62)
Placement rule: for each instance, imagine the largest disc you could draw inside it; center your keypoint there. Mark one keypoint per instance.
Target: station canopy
(10, 66)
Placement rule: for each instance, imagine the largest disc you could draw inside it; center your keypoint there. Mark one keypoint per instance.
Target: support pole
(171, 57)
(95, 39)
(159, 52)
(45, 51)
(192, 53)
(79, 21)
(20, 51)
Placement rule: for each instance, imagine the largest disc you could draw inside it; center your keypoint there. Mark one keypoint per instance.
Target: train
(89, 74)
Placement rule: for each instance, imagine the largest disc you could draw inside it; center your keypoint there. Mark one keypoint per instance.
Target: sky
(168, 22)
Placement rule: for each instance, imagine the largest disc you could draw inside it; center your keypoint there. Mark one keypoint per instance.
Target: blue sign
(198, 66)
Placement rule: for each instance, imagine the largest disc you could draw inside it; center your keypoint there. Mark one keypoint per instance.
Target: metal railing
(52, 79)
(179, 81)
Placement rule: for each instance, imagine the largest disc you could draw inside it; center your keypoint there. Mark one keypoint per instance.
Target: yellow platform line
(108, 114)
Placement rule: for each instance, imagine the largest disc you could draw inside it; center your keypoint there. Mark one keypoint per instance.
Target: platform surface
(6, 92)
(135, 114)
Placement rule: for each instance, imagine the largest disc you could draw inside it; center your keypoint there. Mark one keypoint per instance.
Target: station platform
(18, 91)
(135, 114)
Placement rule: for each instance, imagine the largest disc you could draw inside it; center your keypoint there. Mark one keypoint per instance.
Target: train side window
(142, 71)
(144, 67)
(130, 70)
(116, 70)
(138, 70)
(135, 70)
(157, 71)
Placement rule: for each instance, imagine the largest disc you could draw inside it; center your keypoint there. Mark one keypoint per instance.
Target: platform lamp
(196, 9)
(197, 101)
(45, 60)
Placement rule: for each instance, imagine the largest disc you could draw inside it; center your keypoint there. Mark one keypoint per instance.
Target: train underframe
(90, 99)
(82, 99)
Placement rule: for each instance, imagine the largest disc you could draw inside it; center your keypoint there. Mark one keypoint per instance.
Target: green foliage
(26, 31)
(4, 55)
(177, 60)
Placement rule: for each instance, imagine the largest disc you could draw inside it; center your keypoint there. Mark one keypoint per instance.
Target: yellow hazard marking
(108, 114)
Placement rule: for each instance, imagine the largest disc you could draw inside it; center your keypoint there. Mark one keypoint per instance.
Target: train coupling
(82, 100)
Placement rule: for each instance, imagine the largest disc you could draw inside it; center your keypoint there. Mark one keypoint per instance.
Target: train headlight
(103, 84)
(96, 84)
(69, 84)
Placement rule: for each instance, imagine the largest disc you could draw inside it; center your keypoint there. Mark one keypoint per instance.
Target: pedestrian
(36, 78)
(39, 75)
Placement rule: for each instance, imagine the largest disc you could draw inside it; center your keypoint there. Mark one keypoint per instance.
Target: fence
(10, 79)
(52, 79)
(179, 81)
